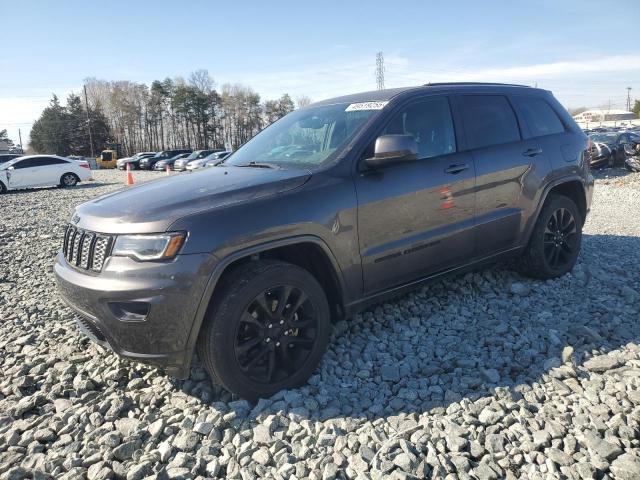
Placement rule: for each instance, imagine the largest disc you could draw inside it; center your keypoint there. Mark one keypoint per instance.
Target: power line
(379, 71)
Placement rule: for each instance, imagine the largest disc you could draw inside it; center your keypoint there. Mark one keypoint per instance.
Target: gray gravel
(489, 375)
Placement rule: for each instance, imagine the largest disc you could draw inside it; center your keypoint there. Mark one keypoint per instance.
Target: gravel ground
(488, 375)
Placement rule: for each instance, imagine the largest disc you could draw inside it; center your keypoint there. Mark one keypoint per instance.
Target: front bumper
(171, 292)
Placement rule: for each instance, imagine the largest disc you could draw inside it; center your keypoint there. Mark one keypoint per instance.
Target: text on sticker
(365, 106)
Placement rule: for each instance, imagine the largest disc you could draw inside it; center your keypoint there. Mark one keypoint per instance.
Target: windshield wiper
(259, 165)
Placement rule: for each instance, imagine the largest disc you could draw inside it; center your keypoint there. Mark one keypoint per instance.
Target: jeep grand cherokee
(334, 207)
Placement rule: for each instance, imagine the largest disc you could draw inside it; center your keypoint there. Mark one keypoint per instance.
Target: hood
(154, 206)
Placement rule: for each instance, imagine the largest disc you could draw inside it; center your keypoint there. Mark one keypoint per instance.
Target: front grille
(84, 249)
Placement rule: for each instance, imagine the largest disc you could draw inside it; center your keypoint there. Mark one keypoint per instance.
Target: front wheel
(69, 180)
(555, 241)
(267, 330)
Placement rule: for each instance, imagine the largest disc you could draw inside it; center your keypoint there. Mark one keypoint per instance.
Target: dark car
(5, 157)
(608, 149)
(133, 161)
(169, 162)
(149, 162)
(332, 208)
(196, 155)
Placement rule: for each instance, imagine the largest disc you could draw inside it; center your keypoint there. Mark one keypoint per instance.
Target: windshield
(603, 138)
(305, 138)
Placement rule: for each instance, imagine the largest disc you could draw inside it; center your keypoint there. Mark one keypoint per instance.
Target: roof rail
(437, 84)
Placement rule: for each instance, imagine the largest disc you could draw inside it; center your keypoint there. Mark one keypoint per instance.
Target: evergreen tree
(65, 130)
(49, 133)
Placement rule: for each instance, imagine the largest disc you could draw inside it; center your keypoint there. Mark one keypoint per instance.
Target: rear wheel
(267, 331)
(555, 242)
(69, 180)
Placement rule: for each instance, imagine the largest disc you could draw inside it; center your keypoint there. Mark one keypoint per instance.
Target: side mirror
(391, 149)
(11, 168)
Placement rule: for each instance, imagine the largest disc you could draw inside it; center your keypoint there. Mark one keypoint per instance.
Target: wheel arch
(571, 187)
(307, 251)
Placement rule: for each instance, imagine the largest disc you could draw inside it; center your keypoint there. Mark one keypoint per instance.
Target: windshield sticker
(354, 107)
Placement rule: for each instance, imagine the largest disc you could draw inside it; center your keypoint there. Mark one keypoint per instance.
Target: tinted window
(27, 163)
(107, 156)
(48, 161)
(430, 123)
(540, 117)
(488, 120)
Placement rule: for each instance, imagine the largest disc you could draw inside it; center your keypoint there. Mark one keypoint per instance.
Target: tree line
(169, 113)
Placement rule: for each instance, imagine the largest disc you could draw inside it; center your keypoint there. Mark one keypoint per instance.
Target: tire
(253, 353)
(69, 179)
(3, 188)
(546, 244)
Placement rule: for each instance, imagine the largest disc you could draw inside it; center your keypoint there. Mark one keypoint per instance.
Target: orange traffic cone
(168, 170)
(129, 175)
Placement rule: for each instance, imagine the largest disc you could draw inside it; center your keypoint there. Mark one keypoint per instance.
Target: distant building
(602, 115)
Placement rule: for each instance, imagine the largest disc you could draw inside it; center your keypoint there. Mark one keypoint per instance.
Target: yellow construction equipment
(107, 159)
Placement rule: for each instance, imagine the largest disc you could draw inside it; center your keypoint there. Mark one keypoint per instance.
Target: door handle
(532, 152)
(456, 168)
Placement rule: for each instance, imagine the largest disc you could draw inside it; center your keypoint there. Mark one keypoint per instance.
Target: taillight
(84, 165)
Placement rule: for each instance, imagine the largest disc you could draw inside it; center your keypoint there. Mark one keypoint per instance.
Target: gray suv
(334, 207)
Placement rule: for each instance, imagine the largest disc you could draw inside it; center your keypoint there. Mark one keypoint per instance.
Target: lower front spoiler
(172, 363)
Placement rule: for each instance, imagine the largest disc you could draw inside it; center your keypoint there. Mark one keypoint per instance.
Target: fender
(543, 198)
(226, 261)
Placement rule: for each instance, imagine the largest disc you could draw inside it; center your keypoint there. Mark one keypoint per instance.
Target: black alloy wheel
(267, 329)
(560, 238)
(554, 244)
(276, 334)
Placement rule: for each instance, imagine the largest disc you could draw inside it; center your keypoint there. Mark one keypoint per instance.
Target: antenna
(379, 71)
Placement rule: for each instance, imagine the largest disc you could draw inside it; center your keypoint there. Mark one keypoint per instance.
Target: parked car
(201, 163)
(162, 164)
(149, 162)
(31, 171)
(215, 160)
(384, 191)
(181, 164)
(133, 161)
(5, 157)
(608, 148)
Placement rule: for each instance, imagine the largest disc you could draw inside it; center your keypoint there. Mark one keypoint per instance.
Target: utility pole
(380, 71)
(628, 99)
(20, 137)
(86, 104)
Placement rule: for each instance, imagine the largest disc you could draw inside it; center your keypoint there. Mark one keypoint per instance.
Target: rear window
(539, 115)
(488, 120)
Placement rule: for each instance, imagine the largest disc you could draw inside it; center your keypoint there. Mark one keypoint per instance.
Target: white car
(42, 171)
(212, 159)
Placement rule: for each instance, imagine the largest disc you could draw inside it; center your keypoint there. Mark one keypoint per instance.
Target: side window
(540, 117)
(430, 123)
(56, 161)
(43, 161)
(488, 120)
(29, 162)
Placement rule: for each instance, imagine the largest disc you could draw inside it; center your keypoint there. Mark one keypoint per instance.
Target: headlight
(149, 247)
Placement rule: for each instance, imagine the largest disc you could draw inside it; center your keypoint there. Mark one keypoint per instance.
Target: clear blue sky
(586, 51)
